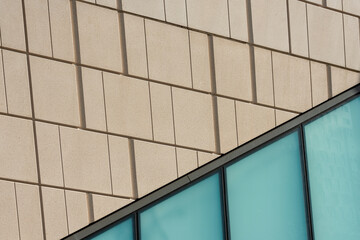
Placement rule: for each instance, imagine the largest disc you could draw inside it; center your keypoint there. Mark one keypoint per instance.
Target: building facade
(104, 101)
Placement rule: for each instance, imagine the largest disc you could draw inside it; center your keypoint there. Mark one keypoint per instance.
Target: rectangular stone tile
(120, 162)
(155, 166)
(326, 43)
(55, 214)
(17, 83)
(253, 120)
(238, 20)
(135, 45)
(85, 160)
(28, 203)
(3, 101)
(61, 29)
(54, 91)
(232, 69)
(49, 152)
(200, 61)
(168, 53)
(99, 37)
(77, 210)
(130, 119)
(269, 29)
(107, 3)
(264, 76)
(186, 160)
(205, 157)
(352, 42)
(149, 8)
(342, 80)
(352, 6)
(298, 28)
(104, 205)
(319, 83)
(291, 82)
(17, 149)
(283, 116)
(38, 27)
(335, 4)
(162, 113)
(9, 228)
(227, 124)
(12, 24)
(193, 115)
(176, 11)
(319, 2)
(209, 15)
(93, 88)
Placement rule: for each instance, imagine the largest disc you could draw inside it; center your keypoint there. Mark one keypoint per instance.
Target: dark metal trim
(215, 165)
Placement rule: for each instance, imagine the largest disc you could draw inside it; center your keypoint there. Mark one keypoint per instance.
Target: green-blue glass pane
(192, 214)
(265, 193)
(121, 231)
(333, 155)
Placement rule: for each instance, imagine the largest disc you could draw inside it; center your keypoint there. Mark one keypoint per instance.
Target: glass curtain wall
(304, 185)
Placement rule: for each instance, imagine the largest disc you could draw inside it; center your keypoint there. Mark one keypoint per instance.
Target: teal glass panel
(333, 155)
(265, 193)
(192, 214)
(120, 231)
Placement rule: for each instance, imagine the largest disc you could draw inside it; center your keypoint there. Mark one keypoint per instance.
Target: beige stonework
(283, 116)
(186, 160)
(264, 76)
(176, 11)
(238, 20)
(319, 83)
(9, 228)
(149, 8)
(103, 205)
(342, 79)
(352, 42)
(77, 210)
(227, 124)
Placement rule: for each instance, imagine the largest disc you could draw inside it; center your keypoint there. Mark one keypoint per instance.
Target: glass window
(123, 230)
(194, 213)
(333, 155)
(265, 193)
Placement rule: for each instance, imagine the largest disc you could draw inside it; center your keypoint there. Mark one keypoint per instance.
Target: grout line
(103, 86)
(288, 24)
(121, 20)
(17, 210)
(212, 64)
(273, 79)
(133, 168)
(187, 14)
(119, 5)
(324, 3)
(33, 119)
(66, 213)
(79, 83)
(51, 41)
(216, 124)
(151, 113)
(249, 21)
(61, 156)
(0, 37)
(228, 11)
(307, 29)
(164, 4)
(191, 68)
(90, 206)
(344, 38)
(197, 158)
(329, 80)
(173, 114)
(253, 74)
(3, 67)
(311, 85)
(146, 50)
(109, 156)
(177, 163)
(236, 125)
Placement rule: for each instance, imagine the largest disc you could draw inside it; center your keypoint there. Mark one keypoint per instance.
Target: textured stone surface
(335, 4)
(227, 124)
(298, 28)
(108, 3)
(209, 15)
(77, 210)
(193, 116)
(232, 69)
(205, 157)
(326, 43)
(264, 76)
(130, 119)
(104, 205)
(168, 53)
(238, 20)
(283, 116)
(253, 120)
(176, 11)
(149, 8)
(352, 42)
(17, 149)
(54, 91)
(352, 6)
(162, 113)
(319, 83)
(86, 160)
(342, 79)
(186, 160)
(9, 228)
(291, 82)
(270, 29)
(155, 166)
(3, 101)
(55, 215)
(99, 37)
(49, 152)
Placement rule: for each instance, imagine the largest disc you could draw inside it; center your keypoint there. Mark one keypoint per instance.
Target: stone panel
(319, 83)
(238, 20)
(342, 79)
(104, 205)
(283, 116)
(298, 28)
(264, 76)
(352, 42)
(352, 6)
(77, 210)
(227, 124)
(9, 228)
(149, 8)
(205, 157)
(186, 160)
(176, 11)
(3, 101)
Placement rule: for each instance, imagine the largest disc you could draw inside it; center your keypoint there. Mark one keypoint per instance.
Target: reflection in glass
(333, 155)
(265, 193)
(123, 230)
(192, 214)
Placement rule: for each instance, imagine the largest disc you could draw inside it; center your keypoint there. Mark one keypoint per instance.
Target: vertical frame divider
(225, 204)
(306, 183)
(136, 226)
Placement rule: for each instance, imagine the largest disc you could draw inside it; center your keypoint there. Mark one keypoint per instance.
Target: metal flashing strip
(215, 165)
